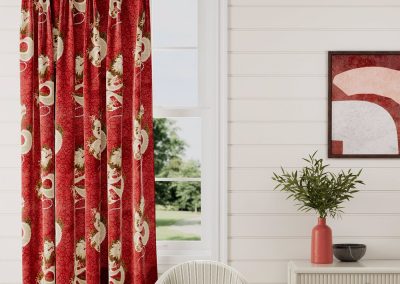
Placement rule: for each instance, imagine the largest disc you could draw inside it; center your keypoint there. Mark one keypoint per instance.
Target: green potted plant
(316, 189)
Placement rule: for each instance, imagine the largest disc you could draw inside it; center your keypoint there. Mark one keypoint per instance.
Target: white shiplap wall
(10, 181)
(278, 114)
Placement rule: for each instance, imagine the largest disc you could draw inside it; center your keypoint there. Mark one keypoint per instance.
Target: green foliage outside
(316, 189)
(169, 150)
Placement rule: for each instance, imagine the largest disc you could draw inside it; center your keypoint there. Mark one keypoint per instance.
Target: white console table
(362, 272)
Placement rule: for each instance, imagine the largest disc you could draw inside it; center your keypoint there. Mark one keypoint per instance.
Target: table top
(363, 266)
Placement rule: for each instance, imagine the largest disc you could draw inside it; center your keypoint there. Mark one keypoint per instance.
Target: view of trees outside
(178, 203)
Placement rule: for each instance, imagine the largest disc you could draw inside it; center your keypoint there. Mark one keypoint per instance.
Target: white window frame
(212, 108)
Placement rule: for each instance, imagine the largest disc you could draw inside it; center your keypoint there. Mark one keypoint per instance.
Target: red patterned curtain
(87, 142)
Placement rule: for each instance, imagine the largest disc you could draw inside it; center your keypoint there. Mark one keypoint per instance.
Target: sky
(175, 64)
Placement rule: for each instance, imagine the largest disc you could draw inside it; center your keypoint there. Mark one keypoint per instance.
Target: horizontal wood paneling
(278, 64)
(12, 136)
(299, 248)
(277, 133)
(270, 272)
(11, 226)
(11, 45)
(277, 88)
(10, 201)
(259, 179)
(12, 250)
(10, 17)
(320, 41)
(276, 203)
(11, 112)
(10, 179)
(312, 17)
(9, 65)
(297, 225)
(13, 3)
(317, 3)
(10, 155)
(290, 156)
(295, 110)
(278, 114)
(11, 272)
(10, 89)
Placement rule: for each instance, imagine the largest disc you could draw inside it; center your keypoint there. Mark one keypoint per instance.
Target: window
(185, 76)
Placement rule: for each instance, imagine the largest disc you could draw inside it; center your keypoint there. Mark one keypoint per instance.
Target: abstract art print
(364, 104)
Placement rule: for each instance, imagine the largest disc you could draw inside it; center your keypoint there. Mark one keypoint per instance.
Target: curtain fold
(88, 211)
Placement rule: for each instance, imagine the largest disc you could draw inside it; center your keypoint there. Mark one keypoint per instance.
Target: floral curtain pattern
(88, 211)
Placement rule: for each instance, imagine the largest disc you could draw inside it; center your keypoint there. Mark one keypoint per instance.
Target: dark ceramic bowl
(349, 252)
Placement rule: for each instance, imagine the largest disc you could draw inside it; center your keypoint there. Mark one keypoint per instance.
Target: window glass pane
(174, 23)
(178, 210)
(177, 147)
(175, 78)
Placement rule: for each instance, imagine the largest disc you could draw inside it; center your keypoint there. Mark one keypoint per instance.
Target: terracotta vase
(321, 243)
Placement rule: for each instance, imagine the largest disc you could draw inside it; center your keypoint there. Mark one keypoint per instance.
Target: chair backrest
(201, 272)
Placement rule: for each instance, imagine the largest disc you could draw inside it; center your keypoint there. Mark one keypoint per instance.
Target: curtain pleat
(87, 143)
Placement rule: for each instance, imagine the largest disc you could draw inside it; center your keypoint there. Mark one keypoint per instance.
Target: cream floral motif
(79, 159)
(99, 234)
(115, 8)
(58, 44)
(97, 143)
(140, 144)
(116, 158)
(58, 139)
(78, 94)
(26, 145)
(143, 46)
(99, 46)
(25, 19)
(78, 5)
(46, 187)
(43, 65)
(42, 6)
(23, 111)
(116, 272)
(46, 99)
(79, 66)
(142, 230)
(80, 263)
(26, 54)
(114, 83)
(58, 232)
(78, 8)
(115, 181)
(140, 136)
(47, 275)
(26, 43)
(46, 154)
(26, 233)
(79, 175)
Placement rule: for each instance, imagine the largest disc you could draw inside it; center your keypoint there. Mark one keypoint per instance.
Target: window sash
(172, 252)
(159, 179)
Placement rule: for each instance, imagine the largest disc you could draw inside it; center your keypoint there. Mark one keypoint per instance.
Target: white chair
(201, 272)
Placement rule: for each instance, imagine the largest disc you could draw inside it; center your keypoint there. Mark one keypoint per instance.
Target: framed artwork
(364, 104)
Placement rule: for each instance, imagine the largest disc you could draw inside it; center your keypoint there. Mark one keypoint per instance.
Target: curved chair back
(201, 272)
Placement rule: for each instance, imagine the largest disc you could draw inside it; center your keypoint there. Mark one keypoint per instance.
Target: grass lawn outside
(178, 225)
